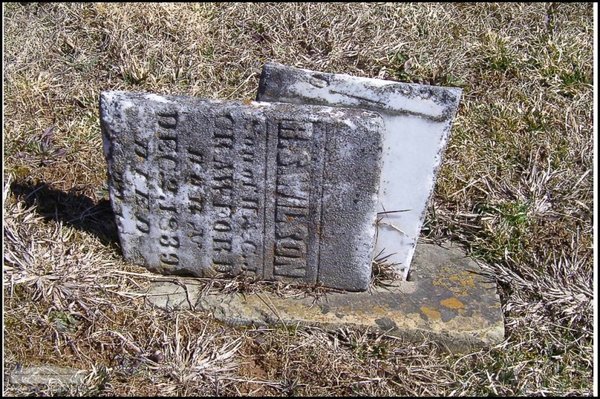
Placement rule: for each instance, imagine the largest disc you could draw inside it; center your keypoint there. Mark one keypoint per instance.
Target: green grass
(515, 187)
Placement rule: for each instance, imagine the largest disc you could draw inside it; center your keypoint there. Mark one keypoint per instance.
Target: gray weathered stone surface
(47, 375)
(276, 191)
(417, 119)
(451, 301)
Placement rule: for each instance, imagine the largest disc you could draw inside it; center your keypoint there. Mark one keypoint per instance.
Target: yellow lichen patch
(463, 278)
(459, 283)
(452, 303)
(379, 311)
(431, 313)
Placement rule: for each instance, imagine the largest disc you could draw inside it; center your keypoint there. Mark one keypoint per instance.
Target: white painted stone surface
(417, 121)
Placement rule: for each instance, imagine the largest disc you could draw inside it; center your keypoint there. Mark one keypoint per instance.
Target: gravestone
(214, 188)
(417, 121)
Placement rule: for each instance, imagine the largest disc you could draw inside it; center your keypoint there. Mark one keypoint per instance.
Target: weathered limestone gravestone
(275, 191)
(417, 118)
(292, 191)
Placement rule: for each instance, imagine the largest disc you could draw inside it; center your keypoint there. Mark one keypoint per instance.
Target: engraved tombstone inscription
(274, 191)
(417, 122)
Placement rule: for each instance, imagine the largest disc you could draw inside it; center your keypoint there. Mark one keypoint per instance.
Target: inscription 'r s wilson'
(292, 198)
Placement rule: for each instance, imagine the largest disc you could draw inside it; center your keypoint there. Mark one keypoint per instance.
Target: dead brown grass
(515, 186)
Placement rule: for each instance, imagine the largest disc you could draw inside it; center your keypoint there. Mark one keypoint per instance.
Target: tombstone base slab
(449, 301)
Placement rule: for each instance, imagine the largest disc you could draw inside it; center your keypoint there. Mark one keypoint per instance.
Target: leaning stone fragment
(274, 191)
(417, 120)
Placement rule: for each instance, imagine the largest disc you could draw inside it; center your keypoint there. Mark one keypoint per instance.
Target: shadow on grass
(71, 208)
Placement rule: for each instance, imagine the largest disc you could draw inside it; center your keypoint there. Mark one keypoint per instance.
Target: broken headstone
(274, 191)
(417, 124)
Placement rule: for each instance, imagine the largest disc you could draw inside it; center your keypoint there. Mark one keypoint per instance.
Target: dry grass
(515, 187)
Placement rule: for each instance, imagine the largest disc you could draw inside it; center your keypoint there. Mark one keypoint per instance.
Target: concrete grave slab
(275, 191)
(418, 119)
(451, 302)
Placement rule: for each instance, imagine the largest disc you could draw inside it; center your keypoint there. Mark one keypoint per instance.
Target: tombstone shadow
(71, 208)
